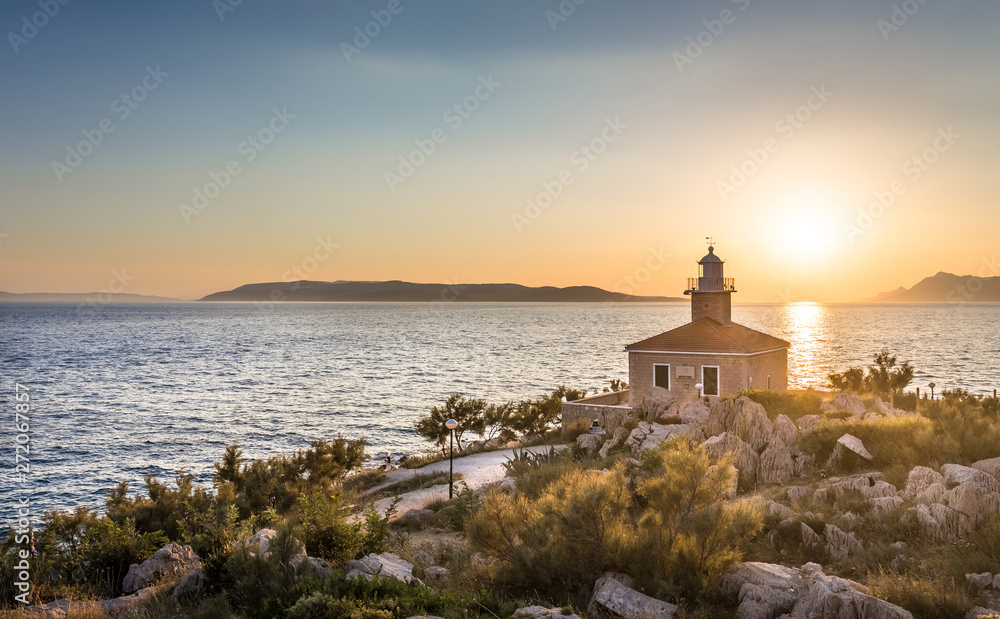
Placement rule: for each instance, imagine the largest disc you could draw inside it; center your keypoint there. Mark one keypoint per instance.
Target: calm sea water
(122, 391)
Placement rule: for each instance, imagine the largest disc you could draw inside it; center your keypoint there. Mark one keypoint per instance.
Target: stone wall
(610, 409)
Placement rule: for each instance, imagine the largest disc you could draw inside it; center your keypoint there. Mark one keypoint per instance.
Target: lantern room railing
(712, 284)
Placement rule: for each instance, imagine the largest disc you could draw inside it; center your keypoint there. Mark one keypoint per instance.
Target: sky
(834, 150)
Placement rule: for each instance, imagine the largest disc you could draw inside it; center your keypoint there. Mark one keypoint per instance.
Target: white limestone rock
(849, 403)
(958, 474)
(190, 587)
(744, 457)
(657, 403)
(383, 565)
(990, 466)
(775, 465)
(885, 505)
(589, 443)
(694, 413)
(742, 417)
(621, 433)
(612, 599)
(809, 422)
(173, 561)
(838, 543)
(540, 612)
(919, 479)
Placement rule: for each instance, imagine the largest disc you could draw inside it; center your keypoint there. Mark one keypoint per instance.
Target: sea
(121, 391)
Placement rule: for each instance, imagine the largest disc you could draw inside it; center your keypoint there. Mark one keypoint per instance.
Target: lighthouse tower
(711, 292)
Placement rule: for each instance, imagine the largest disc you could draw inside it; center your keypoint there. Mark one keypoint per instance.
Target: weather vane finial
(711, 242)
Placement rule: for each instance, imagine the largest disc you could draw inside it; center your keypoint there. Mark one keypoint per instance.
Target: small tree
(468, 412)
(884, 378)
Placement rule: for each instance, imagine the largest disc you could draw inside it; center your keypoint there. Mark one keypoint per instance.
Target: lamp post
(699, 387)
(451, 424)
(932, 385)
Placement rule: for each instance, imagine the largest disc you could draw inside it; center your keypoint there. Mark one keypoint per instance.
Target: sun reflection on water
(806, 326)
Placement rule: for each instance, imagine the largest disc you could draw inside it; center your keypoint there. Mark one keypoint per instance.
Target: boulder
(784, 429)
(694, 413)
(777, 509)
(744, 457)
(620, 435)
(847, 445)
(849, 403)
(420, 518)
(310, 567)
(657, 403)
(262, 540)
(838, 543)
(766, 591)
(888, 410)
(821, 495)
(742, 417)
(809, 423)
(931, 494)
(810, 538)
(980, 581)
(869, 485)
(775, 466)
(958, 474)
(384, 565)
(540, 612)
(649, 435)
(613, 600)
(172, 561)
(885, 505)
(804, 465)
(978, 612)
(990, 466)
(796, 494)
(919, 479)
(190, 587)
(733, 490)
(941, 522)
(589, 443)
(972, 500)
(421, 557)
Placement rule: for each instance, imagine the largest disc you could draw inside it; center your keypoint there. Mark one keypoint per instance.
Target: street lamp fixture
(699, 387)
(932, 385)
(451, 424)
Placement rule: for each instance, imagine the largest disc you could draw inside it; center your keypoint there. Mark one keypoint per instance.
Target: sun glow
(805, 224)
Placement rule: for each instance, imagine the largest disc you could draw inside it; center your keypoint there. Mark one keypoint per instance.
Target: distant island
(82, 297)
(945, 288)
(397, 291)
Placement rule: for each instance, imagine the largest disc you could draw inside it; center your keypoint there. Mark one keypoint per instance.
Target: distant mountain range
(83, 297)
(945, 288)
(395, 291)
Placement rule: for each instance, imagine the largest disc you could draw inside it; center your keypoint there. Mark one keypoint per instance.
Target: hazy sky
(196, 145)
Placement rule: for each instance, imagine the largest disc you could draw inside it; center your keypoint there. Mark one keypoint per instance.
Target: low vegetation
(669, 518)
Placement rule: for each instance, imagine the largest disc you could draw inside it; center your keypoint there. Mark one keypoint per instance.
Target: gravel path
(478, 470)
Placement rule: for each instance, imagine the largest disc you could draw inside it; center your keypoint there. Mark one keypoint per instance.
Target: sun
(805, 224)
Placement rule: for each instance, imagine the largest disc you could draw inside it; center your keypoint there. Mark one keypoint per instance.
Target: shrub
(927, 597)
(793, 404)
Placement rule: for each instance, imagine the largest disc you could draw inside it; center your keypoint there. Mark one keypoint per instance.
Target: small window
(661, 376)
(710, 380)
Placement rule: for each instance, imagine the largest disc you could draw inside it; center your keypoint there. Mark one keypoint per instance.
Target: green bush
(567, 525)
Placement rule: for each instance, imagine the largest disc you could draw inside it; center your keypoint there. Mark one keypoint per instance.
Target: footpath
(478, 470)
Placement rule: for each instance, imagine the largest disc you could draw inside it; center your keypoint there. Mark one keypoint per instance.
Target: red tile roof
(706, 335)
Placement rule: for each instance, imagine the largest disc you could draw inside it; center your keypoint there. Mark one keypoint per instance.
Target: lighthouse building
(712, 351)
